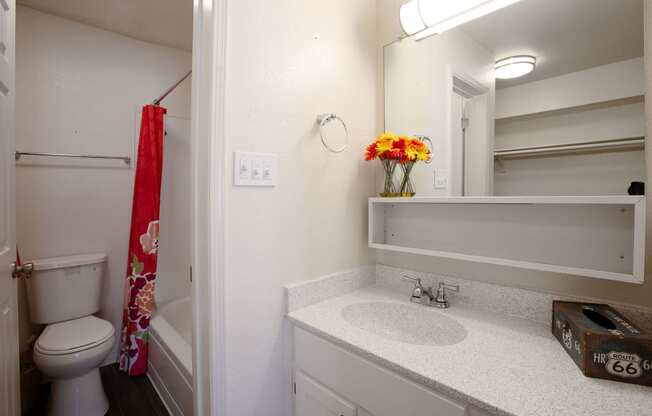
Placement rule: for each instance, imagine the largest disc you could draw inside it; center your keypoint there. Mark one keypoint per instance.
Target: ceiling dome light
(515, 66)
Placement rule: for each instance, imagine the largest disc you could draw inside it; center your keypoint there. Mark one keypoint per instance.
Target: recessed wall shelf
(601, 237)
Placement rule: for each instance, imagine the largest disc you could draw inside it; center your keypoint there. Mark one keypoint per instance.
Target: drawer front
(313, 399)
(366, 384)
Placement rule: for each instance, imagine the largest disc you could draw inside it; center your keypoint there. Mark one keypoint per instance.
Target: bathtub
(169, 365)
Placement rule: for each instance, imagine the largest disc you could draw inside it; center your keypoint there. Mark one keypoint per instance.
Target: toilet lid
(74, 336)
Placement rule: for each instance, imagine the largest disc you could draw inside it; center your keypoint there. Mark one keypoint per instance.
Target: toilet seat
(74, 336)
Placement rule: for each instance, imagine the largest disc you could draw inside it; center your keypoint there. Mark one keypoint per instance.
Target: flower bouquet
(393, 150)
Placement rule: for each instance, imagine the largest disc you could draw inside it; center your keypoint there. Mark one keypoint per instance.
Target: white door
(313, 399)
(9, 368)
(458, 145)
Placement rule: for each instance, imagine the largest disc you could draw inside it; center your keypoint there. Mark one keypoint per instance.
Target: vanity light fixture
(424, 18)
(410, 16)
(515, 66)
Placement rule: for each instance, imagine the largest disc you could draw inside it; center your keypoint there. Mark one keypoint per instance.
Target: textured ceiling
(165, 22)
(565, 35)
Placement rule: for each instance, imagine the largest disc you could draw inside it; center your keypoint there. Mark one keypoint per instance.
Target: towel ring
(427, 139)
(324, 119)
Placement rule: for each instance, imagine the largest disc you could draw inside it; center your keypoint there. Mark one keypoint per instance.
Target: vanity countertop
(505, 365)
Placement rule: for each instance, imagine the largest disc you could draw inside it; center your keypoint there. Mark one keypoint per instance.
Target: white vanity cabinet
(331, 381)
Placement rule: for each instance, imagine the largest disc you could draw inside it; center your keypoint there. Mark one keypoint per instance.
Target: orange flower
(401, 143)
(416, 150)
(404, 149)
(371, 152)
(385, 143)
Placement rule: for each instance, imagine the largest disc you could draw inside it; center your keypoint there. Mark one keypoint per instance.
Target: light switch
(244, 168)
(268, 170)
(257, 169)
(441, 178)
(254, 169)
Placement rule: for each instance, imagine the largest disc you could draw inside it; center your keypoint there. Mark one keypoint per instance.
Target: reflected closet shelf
(632, 143)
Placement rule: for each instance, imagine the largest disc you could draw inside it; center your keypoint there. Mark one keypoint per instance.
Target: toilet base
(80, 396)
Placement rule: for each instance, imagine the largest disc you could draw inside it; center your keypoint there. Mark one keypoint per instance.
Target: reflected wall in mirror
(574, 125)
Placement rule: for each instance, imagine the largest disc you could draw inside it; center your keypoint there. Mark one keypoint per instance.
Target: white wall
(79, 90)
(389, 30)
(286, 63)
(418, 99)
(173, 279)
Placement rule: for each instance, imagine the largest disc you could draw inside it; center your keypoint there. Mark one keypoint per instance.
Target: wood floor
(129, 396)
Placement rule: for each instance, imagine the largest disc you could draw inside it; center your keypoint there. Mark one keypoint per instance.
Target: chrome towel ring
(324, 119)
(430, 146)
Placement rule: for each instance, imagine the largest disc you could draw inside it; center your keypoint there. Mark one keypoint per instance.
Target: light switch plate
(254, 169)
(441, 178)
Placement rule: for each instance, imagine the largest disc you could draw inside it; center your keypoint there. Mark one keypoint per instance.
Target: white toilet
(64, 293)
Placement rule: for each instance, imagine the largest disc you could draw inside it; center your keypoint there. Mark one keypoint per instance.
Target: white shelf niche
(602, 237)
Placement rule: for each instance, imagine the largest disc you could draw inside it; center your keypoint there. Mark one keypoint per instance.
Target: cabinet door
(313, 399)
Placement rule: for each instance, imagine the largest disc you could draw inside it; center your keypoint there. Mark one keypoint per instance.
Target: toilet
(64, 293)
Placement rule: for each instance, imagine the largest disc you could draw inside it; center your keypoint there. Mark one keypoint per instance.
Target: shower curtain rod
(169, 90)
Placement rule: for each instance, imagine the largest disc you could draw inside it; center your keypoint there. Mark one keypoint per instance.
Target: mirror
(574, 125)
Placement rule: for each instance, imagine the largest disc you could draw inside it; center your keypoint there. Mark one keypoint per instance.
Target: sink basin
(411, 324)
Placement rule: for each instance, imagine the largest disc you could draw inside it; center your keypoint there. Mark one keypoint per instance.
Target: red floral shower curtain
(143, 243)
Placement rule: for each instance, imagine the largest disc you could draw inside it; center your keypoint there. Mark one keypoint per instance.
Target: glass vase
(389, 189)
(407, 189)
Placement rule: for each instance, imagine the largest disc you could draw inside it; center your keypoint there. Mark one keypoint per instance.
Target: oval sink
(411, 324)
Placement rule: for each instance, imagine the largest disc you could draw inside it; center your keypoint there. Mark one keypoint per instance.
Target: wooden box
(602, 342)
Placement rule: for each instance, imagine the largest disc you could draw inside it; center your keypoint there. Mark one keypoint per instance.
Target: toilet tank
(65, 288)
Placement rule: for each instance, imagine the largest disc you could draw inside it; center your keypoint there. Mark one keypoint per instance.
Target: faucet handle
(417, 291)
(447, 286)
(440, 298)
(416, 280)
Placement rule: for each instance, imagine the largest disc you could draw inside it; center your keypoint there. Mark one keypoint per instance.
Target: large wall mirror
(573, 125)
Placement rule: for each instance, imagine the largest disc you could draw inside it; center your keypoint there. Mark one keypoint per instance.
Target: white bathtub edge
(157, 382)
(167, 337)
(173, 389)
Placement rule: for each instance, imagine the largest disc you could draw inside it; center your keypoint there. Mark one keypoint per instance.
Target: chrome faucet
(438, 300)
(418, 292)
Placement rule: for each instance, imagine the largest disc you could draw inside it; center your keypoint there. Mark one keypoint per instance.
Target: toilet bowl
(64, 293)
(69, 354)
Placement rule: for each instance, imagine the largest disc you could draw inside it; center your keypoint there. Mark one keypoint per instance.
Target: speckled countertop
(506, 366)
